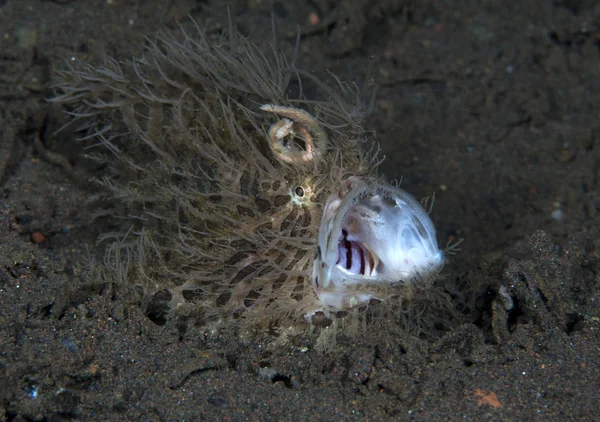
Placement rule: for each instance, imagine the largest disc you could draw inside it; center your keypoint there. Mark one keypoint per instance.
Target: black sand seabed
(494, 107)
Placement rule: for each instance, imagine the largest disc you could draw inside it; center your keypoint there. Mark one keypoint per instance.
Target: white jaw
(372, 237)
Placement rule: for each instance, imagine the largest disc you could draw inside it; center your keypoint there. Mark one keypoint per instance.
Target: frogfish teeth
(230, 201)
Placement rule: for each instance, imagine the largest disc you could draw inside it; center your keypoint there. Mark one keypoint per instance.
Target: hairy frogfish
(235, 199)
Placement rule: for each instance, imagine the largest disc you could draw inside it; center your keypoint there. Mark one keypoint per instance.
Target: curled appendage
(285, 145)
(297, 138)
(373, 239)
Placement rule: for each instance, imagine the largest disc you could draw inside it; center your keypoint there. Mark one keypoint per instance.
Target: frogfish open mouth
(373, 239)
(231, 198)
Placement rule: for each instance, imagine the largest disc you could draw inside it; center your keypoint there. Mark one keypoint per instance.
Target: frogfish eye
(299, 191)
(374, 238)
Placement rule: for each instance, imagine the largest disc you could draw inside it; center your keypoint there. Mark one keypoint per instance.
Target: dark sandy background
(493, 106)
